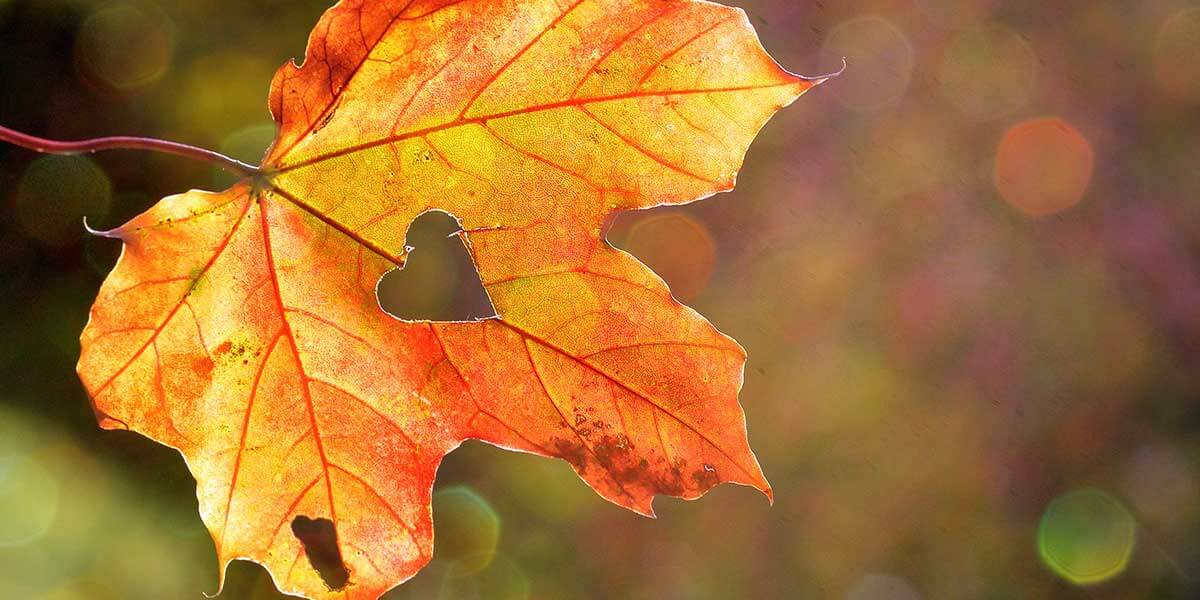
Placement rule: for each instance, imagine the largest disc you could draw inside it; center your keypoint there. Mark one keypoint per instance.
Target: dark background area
(966, 273)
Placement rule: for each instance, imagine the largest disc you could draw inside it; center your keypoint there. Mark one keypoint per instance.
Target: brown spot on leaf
(612, 449)
(573, 453)
(706, 477)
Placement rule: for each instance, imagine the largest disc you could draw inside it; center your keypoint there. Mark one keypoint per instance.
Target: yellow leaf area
(243, 328)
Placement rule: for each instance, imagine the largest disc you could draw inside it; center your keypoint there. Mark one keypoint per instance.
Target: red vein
(664, 343)
(430, 12)
(158, 329)
(495, 134)
(354, 73)
(629, 389)
(496, 76)
(339, 329)
(395, 515)
(367, 556)
(199, 331)
(578, 271)
(550, 398)
(162, 393)
(296, 444)
(130, 329)
(670, 9)
(237, 462)
(648, 154)
(532, 445)
(338, 226)
(675, 109)
(479, 410)
(375, 411)
(299, 498)
(287, 331)
(454, 167)
(424, 82)
(570, 102)
(681, 47)
(139, 284)
(663, 443)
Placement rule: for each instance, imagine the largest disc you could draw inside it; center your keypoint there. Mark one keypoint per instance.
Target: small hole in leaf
(320, 545)
(439, 282)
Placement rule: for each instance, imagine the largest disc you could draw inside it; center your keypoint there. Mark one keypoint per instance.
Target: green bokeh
(468, 529)
(1086, 536)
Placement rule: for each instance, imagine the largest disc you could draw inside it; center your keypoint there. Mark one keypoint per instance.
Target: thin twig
(38, 144)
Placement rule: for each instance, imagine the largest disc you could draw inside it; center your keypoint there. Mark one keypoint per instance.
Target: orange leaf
(243, 327)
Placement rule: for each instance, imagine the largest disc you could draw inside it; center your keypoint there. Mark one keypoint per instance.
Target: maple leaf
(243, 328)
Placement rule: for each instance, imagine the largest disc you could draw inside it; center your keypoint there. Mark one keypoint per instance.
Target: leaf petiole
(38, 144)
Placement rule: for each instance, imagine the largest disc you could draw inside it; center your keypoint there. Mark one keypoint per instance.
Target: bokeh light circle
(468, 529)
(676, 247)
(880, 59)
(126, 45)
(28, 500)
(988, 70)
(56, 193)
(1176, 56)
(1086, 536)
(1043, 166)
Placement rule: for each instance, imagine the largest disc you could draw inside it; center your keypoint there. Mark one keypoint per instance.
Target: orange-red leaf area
(243, 329)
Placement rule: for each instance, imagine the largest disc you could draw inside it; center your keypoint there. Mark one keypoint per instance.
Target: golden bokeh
(1043, 166)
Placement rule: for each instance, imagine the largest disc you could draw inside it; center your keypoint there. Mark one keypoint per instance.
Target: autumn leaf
(243, 328)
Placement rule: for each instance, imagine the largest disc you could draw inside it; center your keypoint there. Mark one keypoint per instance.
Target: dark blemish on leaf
(671, 486)
(571, 452)
(706, 478)
(611, 450)
(320, 545)
(229, 352)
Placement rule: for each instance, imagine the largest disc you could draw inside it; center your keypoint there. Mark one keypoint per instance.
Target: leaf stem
(38, 144)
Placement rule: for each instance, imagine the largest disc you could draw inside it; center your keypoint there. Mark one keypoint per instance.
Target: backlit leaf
(243, 329)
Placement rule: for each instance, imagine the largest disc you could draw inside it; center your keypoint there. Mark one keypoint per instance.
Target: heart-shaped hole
(439, 281)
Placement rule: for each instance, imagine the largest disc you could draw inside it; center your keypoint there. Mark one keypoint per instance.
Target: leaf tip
(816, 80)
(108, 233)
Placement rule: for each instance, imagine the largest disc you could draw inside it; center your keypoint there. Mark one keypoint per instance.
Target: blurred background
(967, 273)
